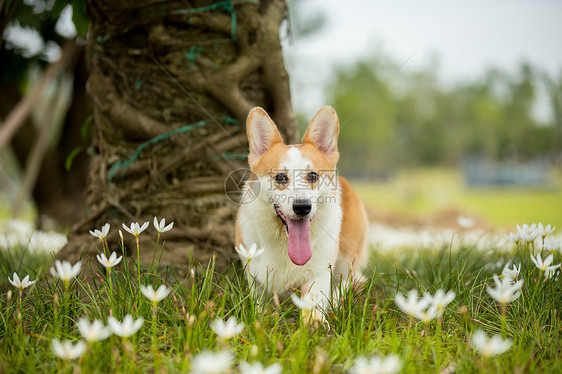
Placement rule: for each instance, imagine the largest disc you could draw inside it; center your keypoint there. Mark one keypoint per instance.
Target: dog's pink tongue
(299, 241)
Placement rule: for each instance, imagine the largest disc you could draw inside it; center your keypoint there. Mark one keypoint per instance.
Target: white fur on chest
(259, 224)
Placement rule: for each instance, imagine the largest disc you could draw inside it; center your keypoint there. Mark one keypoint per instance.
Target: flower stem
(124, 358)
(155, 250)
(426, 328)
(155, 337)
(138, 260)
(19, 329)
(410, 327)
(105, 246)
(66, 301)
(125, 267)
(56, 313)
(110, 283)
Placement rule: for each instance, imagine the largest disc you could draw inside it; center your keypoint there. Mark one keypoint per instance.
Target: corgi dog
(309, 222)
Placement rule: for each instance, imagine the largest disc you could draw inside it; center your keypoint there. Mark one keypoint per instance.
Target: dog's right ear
(262, 133)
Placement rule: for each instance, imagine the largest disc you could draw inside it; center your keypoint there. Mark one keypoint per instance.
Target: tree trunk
(172, 83)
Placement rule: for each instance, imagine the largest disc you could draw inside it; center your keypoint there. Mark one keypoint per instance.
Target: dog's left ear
(323, 132)
(262, 133)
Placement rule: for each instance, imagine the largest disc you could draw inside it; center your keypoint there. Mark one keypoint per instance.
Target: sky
(466, 37)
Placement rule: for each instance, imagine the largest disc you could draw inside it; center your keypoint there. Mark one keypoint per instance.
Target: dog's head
(299, 182)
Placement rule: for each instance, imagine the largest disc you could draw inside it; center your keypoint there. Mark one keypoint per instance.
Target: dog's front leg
(319, 291)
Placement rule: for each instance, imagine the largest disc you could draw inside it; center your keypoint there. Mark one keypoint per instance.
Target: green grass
(366, 322)
(422, 192)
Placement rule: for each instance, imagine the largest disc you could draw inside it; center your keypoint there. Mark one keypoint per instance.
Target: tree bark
(195, 68)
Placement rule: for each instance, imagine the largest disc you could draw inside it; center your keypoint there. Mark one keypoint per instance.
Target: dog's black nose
(302, 207)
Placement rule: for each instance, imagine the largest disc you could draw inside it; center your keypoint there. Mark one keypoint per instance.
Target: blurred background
(447, 110)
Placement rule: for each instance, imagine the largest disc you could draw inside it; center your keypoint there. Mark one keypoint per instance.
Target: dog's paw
(315, 318)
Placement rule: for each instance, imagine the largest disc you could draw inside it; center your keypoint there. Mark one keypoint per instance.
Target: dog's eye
(281, 178)
(312, 177)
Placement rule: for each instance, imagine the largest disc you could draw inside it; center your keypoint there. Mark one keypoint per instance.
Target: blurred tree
(413, 120)
(303, 22)
(554, 90)
(172, 83)
(367, 112)
(518, 112)
(56, 191)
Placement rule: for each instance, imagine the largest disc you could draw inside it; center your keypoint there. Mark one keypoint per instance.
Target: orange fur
(353, 233)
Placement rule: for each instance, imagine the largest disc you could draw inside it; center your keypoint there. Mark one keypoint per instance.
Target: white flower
(412, 305)
(465, 222)
(375, 365)
(505, 291)
(428, 307)
(527, 233)
(21, 284)
(305, 302)
(109, 262)
(65, 271)
(67, 350)
(441, 299)
(544, 265)
(14, 233)
(544, 231)
(249, 253)
(101, 234)
(257, 368)
(135, 229)
(551, 244)
(489, 347)
(549, 274)
(48, 242)
(155, 296)
(228, 329)
(426, 315)
(208, 362)
(93, 332)
(514, 237)
(512, 274)
(161, 227)
(126, 328)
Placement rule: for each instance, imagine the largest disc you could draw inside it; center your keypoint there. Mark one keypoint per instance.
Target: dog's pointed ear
(262, 133)
(323, 132)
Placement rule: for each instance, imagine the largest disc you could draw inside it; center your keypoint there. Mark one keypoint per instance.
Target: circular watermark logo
(234, 186)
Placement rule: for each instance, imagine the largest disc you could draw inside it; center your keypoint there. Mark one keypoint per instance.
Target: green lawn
(427, 191)
(365, 322)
